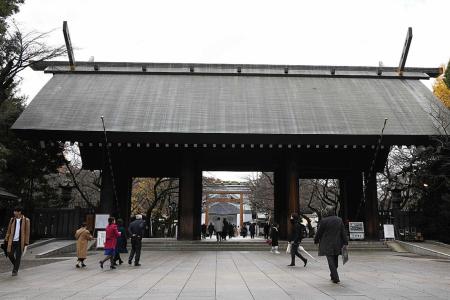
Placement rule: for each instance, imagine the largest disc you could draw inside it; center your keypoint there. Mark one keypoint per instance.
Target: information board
(101, 238)
(101, 221)
(356, 230)
(389, 231)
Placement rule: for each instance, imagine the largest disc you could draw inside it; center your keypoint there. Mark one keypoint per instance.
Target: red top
(111, 236)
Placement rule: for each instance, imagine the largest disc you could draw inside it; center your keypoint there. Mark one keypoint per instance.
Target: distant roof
(216, 101)
(223, 208)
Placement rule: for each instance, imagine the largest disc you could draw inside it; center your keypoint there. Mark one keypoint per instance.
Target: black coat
(274, 236)
(331, 236)
(297, 233)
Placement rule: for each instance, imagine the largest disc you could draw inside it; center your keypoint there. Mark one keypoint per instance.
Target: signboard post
(356, 230)
(101, 221)
(389, 232)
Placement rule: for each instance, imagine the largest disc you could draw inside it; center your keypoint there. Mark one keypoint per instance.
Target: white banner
(389, 231)
(101, 221)
(101, 238)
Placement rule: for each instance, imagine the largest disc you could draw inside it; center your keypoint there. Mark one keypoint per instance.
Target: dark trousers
(333, 265)
(295, 252)
(252, 235)
(15, 255)
(136, 245)
(117, 256)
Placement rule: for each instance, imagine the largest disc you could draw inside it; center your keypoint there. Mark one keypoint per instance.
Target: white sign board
(101, 238)
(101, 221)
(356, 230)
(389, 231)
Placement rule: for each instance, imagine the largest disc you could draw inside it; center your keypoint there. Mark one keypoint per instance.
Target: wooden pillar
(189, 207)
(107, 200)
(280, 203)
(354, 193)
(241, 210)
(286, 191)
(124, 186)
(371, 209)
(292, 192)
(206, 210)
(343, 200)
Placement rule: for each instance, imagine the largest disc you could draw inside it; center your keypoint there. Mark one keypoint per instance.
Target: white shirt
(17, 231)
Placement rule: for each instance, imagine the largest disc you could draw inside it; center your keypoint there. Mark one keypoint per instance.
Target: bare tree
(19, 51)
(261, 196)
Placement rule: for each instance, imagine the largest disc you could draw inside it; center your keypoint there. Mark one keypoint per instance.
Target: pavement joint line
(316, 275)
(132, 269)
(187, 280)
(289, 295)
(164, 276)
(240, 274)
(93, 274)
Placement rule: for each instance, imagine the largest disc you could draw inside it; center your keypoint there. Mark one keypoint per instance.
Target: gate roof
(150, 101)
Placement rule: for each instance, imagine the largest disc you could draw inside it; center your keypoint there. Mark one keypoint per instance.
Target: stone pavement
(235, 275)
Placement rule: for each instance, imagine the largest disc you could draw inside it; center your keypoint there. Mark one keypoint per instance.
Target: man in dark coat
(210, 229)
(136, 230)
(295, 239)
(252, 230)
(331, 237)
(266, 230)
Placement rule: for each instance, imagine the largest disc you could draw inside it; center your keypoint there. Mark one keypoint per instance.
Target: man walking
(136, 230)
(17, 238)
(295, 239)
(331, 237)
(218, 227)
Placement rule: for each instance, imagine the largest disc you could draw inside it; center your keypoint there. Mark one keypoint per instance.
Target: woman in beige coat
(82, 236)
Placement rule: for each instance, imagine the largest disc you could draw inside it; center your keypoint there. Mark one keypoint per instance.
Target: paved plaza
(234, 275)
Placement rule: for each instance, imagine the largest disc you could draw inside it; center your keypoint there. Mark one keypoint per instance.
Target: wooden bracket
(401, 66)
(69, 46)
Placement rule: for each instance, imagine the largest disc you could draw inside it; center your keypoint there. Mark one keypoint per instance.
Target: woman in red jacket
(110, 243)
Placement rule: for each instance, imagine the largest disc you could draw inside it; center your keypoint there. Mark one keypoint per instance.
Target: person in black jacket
(136, 230)
(295, 239)
(274, 238)
(210, 229)
(331, 237)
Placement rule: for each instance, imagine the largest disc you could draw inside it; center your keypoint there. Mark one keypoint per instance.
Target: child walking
(274, 238)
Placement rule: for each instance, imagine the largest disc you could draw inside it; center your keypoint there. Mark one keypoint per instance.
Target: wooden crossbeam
(401, 66)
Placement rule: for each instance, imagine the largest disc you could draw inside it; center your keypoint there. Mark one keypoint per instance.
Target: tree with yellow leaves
(441, 87)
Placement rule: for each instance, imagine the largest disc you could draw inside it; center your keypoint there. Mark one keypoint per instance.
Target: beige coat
(24, 233)
(82, 236)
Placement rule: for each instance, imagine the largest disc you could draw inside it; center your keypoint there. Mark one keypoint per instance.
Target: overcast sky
(319, 32)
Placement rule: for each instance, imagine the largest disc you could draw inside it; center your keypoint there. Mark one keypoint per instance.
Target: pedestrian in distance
(331, 237)
(210, 229)
(225, 229)
(136, 230)
(17, 238)
(266, 230)
(83, 236)
(218, 227)
(204, 227)
(110, 243)
(274, 238)
(252, 230)
(295, 239)
(231, 230)
(121, 246)
(244, 231)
